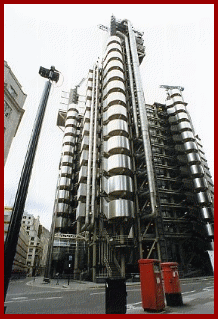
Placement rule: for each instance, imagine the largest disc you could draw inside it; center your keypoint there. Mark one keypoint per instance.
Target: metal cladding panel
(85, 142)
(61, 222)
(115, 85)
(120, 184)
(104, 130)
(174, 91)
(120, 208)
(87, 116)
(89, 82)
(115, 112)
(63, 196)
(113, 38)
(203, 198)
(104, 205)
(80, 210)
(68, 139)
(210, 229)
(206, 213)
(193, 158)
(184, 126)
(65, 183)
(118, 144)
(84, 157)
(196, 170)
(180, 108)
(86, 128)
(117, 127)
(113, 62)
(82, 174)
(113, 74)
(104, 184)
(169, 104)
(177, 99)
(104, 164)
(82, 189)
(88, 103)
(175, 109)
(62, 208)
(67, 160)
(119, 164)
(116, 97)
(89, 93)
(70, 130)
(71, 122)
(182, 116)
(187, 136)
(104, 147)
(112, 55)
(66, 171)
(113, 45)
(68, 150)
(200, 184)
(72, 113)
(190, 146)
(73, 106)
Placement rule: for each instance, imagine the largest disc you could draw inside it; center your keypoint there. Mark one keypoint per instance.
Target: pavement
(193, 303)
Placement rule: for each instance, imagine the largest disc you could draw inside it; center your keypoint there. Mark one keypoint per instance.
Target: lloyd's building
(133, 178)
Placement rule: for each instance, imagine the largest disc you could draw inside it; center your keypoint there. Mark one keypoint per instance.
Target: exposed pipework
(144, 121)
(130, 81)
(92, 153)
(90, 156)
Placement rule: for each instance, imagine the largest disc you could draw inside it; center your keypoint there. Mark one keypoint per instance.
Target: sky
(179, 44)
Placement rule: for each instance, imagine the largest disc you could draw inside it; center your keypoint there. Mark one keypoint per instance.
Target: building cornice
(12, 100)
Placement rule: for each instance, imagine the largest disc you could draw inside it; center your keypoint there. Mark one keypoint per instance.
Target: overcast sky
(179, 41)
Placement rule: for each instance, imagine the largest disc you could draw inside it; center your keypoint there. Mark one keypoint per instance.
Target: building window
(12, 91)
(7, 109)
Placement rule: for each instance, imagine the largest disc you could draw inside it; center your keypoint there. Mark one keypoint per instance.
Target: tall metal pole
(20, 199)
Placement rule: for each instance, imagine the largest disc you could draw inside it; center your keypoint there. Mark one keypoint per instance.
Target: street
(25, 298)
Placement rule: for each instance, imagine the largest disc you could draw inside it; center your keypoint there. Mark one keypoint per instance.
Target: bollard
(115, 296)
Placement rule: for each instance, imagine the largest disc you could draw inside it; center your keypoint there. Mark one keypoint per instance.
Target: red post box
(152, 292)
(171, 283)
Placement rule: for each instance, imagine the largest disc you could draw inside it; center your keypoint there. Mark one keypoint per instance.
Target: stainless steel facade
(134, 182)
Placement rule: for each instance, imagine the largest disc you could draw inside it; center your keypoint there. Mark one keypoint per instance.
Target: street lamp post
(20, 199)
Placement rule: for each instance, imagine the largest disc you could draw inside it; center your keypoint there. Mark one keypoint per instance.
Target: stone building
(14, 99)
(20, 268)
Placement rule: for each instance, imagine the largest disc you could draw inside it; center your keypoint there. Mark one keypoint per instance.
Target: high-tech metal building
(133, 179)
